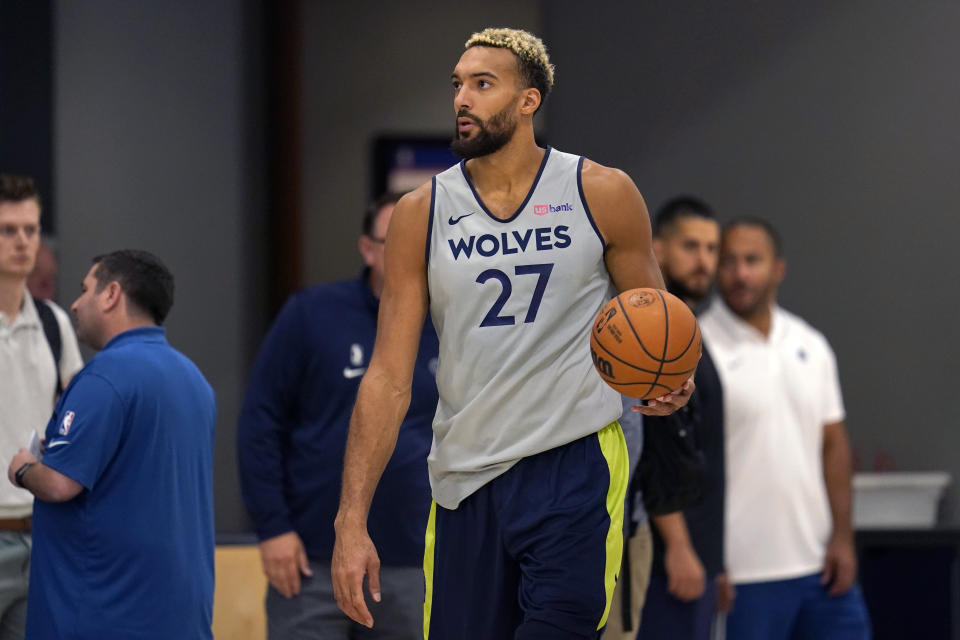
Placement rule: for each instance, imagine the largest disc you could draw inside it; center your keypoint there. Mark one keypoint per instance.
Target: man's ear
(780, 270)
(530, 101)
(365, 247)
(111, 297)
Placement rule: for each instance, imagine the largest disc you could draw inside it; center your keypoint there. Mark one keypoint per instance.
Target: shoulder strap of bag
(51, 329)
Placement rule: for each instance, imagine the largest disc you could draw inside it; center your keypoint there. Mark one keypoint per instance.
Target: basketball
(645, 343)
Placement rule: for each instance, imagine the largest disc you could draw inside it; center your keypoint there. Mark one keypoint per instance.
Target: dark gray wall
(156, 139)
(836, 121)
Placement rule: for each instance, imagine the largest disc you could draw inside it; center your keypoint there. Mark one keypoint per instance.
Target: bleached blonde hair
(533, 61)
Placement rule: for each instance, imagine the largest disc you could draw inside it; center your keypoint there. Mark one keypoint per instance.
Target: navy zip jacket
(293, 427)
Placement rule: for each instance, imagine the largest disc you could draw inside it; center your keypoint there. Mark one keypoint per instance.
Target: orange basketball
(645, 343)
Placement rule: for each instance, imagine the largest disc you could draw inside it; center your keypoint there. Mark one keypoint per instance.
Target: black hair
(753, 221)
(534, 74)
(14, 188)
(370, 215)
(679, 207)
(144, 279)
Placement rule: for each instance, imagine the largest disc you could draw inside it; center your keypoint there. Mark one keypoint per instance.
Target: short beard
(764, 300)
(494, 134)
(680, 290)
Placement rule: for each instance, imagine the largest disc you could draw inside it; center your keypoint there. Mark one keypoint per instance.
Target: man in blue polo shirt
(291, 438)
(123, 520)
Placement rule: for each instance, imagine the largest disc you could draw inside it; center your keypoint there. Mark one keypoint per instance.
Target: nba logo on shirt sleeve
(67, 421)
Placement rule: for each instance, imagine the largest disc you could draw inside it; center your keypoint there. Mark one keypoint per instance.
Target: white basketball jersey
(513, 302)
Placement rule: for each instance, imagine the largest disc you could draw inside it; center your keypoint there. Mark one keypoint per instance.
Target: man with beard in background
(687, 566)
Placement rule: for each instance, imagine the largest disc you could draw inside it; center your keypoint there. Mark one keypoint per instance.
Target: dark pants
(314, 613)
(797, 609)
(14, 580)
(667, 618)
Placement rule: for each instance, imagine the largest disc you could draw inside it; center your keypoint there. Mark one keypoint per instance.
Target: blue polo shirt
(131, 556)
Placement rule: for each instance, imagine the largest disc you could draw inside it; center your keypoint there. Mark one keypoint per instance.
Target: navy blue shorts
(797, 609)
(534, 553)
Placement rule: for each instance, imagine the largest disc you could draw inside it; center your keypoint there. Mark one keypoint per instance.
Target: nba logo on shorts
(67, 421)
(541, 209)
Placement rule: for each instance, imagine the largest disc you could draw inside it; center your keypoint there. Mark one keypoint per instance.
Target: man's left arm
(42, 481)
(840, 563)
(621, 216)
(81, 440)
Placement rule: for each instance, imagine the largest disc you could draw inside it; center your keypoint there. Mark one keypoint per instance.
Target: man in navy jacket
(291, 438)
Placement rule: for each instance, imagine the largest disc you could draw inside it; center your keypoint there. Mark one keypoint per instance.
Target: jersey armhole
(433, 201)
(586, 207)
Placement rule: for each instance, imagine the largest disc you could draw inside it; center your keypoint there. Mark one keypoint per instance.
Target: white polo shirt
(28, 381)
(778, 393)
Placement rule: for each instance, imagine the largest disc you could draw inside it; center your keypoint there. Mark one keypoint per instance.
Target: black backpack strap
(51, 329)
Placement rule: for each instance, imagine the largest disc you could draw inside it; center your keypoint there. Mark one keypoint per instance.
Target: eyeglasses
(10, 231)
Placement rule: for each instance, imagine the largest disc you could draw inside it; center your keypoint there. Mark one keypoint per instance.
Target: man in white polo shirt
(789, 539)
(29, 375)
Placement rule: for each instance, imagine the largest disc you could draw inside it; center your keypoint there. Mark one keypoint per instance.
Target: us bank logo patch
(66, 422)
(544, 209)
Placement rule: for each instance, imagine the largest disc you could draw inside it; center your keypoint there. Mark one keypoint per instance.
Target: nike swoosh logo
(57, 443)
(453, 220)
(349, 373)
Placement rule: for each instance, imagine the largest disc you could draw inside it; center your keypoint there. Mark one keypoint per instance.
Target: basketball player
(514, 251)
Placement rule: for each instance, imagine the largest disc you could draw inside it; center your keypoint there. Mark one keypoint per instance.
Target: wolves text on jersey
(487, 244)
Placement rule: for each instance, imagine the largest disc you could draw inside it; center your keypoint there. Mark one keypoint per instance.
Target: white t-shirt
(28, 381)
(778, 393)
